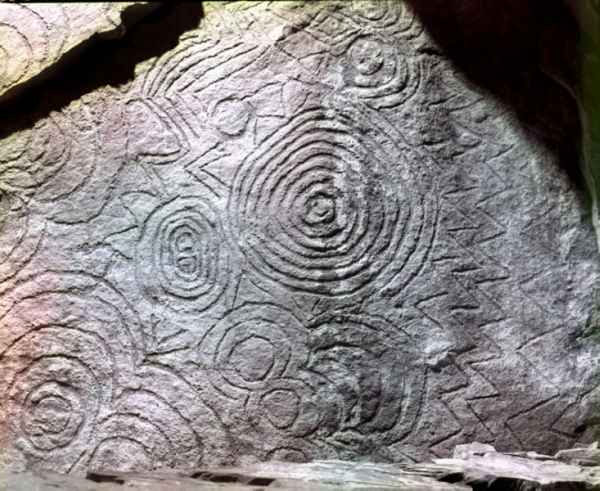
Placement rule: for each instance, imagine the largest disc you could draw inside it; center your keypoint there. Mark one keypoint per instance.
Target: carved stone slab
(299, 234)
(478, 468)
(320, 476)
(33, 37)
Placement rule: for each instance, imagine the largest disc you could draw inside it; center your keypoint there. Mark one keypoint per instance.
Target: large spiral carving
(181, 257)
(324, 206)
(66, 345)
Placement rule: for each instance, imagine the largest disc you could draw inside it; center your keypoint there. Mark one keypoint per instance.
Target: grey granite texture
(300, 233)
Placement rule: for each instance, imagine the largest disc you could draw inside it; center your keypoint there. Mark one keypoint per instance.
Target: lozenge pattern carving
(298, 234)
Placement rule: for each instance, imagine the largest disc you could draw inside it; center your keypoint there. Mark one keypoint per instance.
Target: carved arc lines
(325, 241)
(291, 243)
(33, 37)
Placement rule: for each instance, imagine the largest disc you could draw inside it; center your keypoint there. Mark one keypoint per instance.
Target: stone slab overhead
(301, 233)
(36, 36)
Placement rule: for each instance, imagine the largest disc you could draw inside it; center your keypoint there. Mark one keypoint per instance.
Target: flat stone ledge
(473, 467)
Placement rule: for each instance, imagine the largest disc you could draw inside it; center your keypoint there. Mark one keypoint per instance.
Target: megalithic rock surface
(302, 233)
(479, 467)
(35, 37)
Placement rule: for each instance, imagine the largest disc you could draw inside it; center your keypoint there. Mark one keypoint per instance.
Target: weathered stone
(581, 456)
(469, 449)
(330, 475)
(300, 234)
(492, 470)
(320, 476)
(513, 473)
(34, 37)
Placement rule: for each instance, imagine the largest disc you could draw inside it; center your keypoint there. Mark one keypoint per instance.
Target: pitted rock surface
(302, 233)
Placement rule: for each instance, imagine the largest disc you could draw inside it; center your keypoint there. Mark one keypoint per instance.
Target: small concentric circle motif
(181, 258)
(285, 407)
(325, 205)
(250, 347)
(375, 72)
(389, 17)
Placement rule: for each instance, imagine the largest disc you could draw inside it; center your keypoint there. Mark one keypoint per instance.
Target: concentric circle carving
(23, 32)
(162, 422)
(329, 203)
(182, 260)
(250, 347)
(287, 407)
(67, 345)
(388, 17)
(374, 71)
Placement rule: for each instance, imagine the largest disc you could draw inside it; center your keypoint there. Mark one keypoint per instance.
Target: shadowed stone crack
(36, 39)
